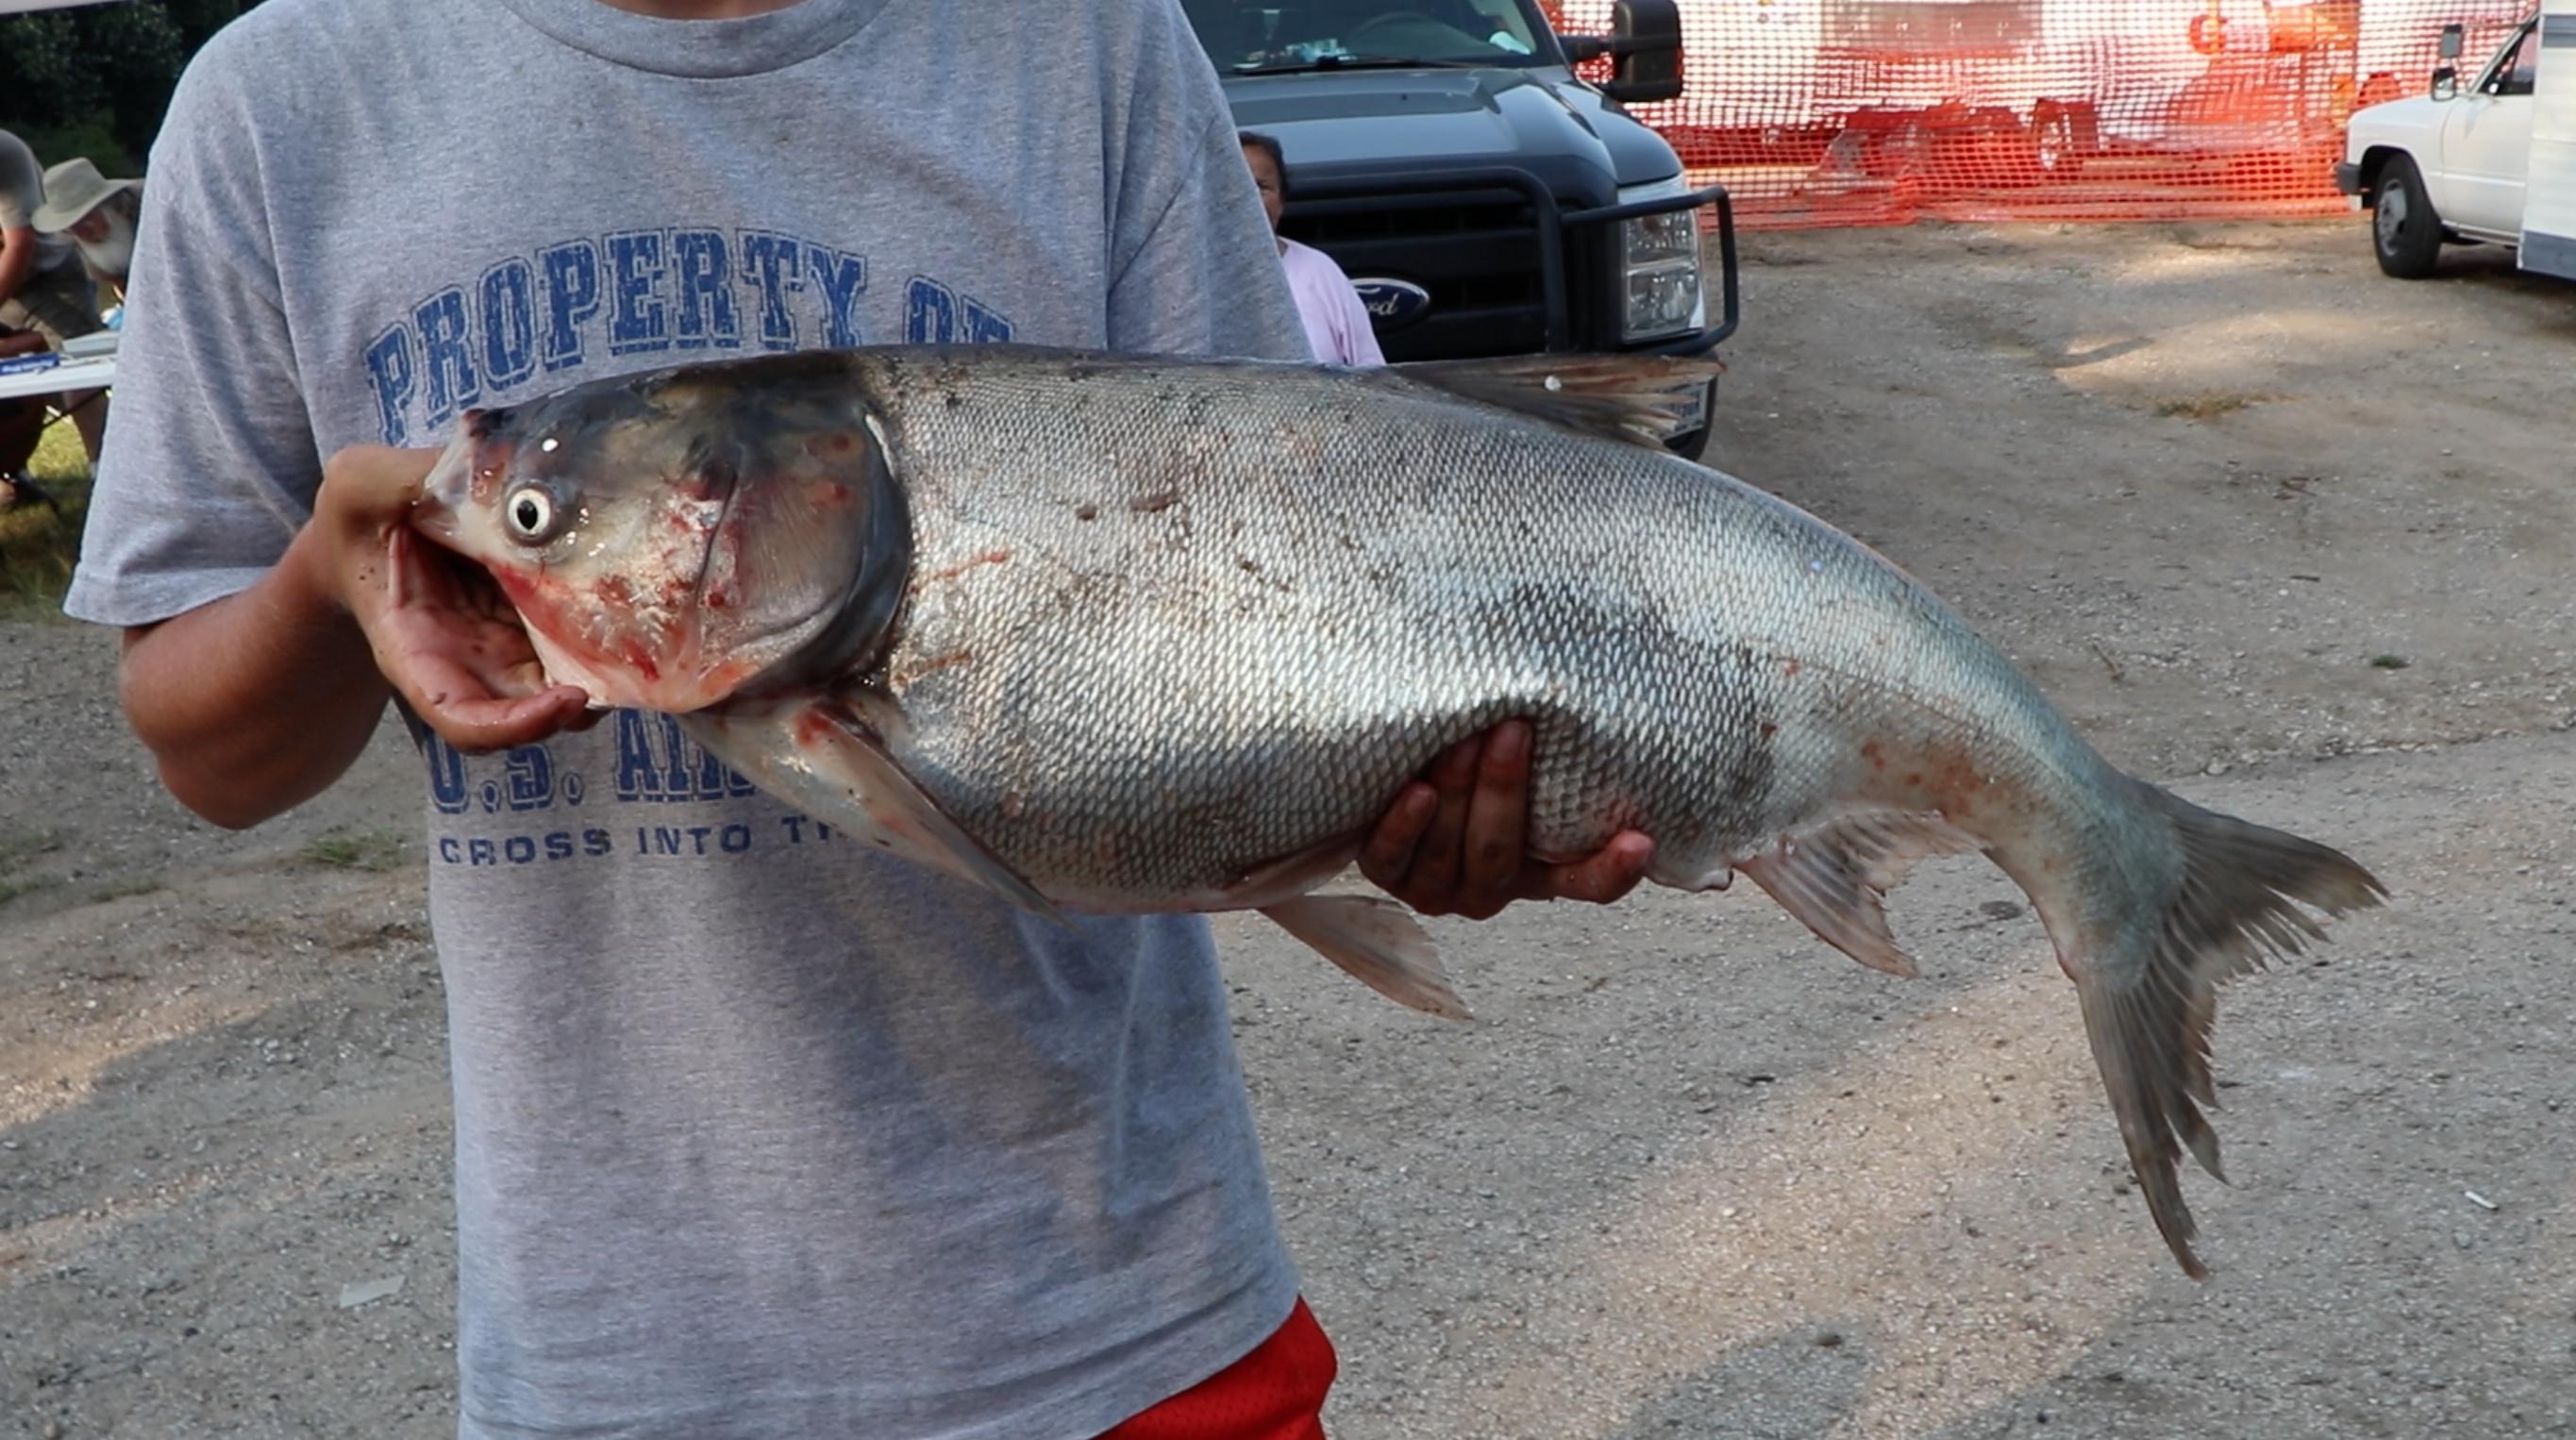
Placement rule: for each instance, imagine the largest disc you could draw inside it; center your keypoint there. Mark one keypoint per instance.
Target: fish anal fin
(1636, 398)
(1832, 876)
(1290, 875)
(1379, 943)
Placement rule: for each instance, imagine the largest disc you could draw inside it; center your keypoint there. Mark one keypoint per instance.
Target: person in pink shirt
(1337, 324)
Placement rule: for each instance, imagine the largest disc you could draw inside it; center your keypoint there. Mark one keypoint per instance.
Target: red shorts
(1274, 1393)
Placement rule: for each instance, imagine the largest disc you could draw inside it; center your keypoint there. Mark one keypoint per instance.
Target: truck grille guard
(1340, 195)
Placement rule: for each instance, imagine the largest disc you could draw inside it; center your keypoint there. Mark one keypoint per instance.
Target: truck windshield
(1269, 36)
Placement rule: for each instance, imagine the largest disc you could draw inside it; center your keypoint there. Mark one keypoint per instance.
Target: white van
(2490, 160)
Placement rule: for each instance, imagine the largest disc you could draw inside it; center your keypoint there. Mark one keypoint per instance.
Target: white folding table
(92, 374)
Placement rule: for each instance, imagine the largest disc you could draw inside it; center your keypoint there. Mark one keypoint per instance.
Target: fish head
(676, 539)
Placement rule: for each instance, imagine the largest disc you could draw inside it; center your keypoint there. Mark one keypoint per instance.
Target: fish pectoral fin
(1832, 877)
(1379, 943)
(1291, 875)
(1636, 398)
(842, 749)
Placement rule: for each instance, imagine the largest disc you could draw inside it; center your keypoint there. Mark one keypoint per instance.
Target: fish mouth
(445, 492)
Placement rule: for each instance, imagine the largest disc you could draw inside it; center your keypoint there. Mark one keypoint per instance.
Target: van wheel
(2403, 228)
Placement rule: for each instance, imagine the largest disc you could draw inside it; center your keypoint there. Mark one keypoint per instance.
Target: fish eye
(530, 514)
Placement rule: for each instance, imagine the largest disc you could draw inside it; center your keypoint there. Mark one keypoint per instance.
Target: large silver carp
(1120, 634)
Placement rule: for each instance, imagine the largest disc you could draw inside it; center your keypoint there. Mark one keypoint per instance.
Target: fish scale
(1134, 634)
(1218, 560)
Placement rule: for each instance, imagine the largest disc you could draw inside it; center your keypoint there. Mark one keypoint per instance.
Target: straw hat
(73, 189)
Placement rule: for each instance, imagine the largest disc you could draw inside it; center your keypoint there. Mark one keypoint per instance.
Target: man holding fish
(756, 1134)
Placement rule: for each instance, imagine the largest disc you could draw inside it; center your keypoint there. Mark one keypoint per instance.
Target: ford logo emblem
(1392, 304)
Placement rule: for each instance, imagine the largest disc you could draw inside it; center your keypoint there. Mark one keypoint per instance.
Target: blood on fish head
(671, 538)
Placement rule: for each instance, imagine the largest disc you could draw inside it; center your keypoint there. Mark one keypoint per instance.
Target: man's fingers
(443, 637)
(1435, 868)
(1606, 877)
(1497, 820)
(367, 490)
(1458, 845)
(408, 580)
(462, 685)
(478, 726)
(375, 483)
(1388, 854)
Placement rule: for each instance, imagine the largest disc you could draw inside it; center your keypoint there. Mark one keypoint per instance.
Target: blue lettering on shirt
(481, 851)
(447, 788)
(774, 265)
(572, 297)
(639, 773)
(929, 312)
(639, 318)
(704, 286)
(985, 327)
(445, 364)
(843, 278)
(934, 314)
(656, 760)
(531, 777)
(509, 323)
(389, 374)
(698, 288)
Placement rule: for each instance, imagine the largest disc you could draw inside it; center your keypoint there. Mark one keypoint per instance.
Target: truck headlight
(1661, 266)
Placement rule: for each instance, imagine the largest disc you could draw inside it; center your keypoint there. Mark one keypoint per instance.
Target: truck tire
(2404, 231)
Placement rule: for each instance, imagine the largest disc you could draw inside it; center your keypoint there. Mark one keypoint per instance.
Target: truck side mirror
(1646, 35)
(2451, 41)
(2446, 83)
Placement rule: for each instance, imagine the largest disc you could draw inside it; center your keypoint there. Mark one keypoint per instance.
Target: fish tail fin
(2149, 993)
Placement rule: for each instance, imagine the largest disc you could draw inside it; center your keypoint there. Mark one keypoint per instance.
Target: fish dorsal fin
(1636, 398)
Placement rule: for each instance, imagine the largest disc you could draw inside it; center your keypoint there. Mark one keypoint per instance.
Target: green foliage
(90, 137)
(95, 80)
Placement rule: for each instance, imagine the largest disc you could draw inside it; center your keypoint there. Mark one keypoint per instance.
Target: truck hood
(2411, 124)
(1335, 122)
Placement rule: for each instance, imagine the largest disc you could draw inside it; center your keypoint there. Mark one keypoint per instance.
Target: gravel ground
(2271, 528)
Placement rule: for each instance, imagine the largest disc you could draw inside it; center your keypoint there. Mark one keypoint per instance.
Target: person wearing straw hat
(43, 288)
(98, 214)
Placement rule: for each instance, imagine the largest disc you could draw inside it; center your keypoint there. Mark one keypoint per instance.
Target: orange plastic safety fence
(1855, 112)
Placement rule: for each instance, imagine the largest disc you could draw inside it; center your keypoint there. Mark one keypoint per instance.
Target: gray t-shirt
(756, 1135)
(22, 194)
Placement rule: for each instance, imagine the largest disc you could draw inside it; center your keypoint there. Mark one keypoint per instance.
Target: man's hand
(442, 632)
(1456, 845)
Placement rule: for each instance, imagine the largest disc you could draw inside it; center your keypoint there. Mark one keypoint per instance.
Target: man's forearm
(257, 702)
